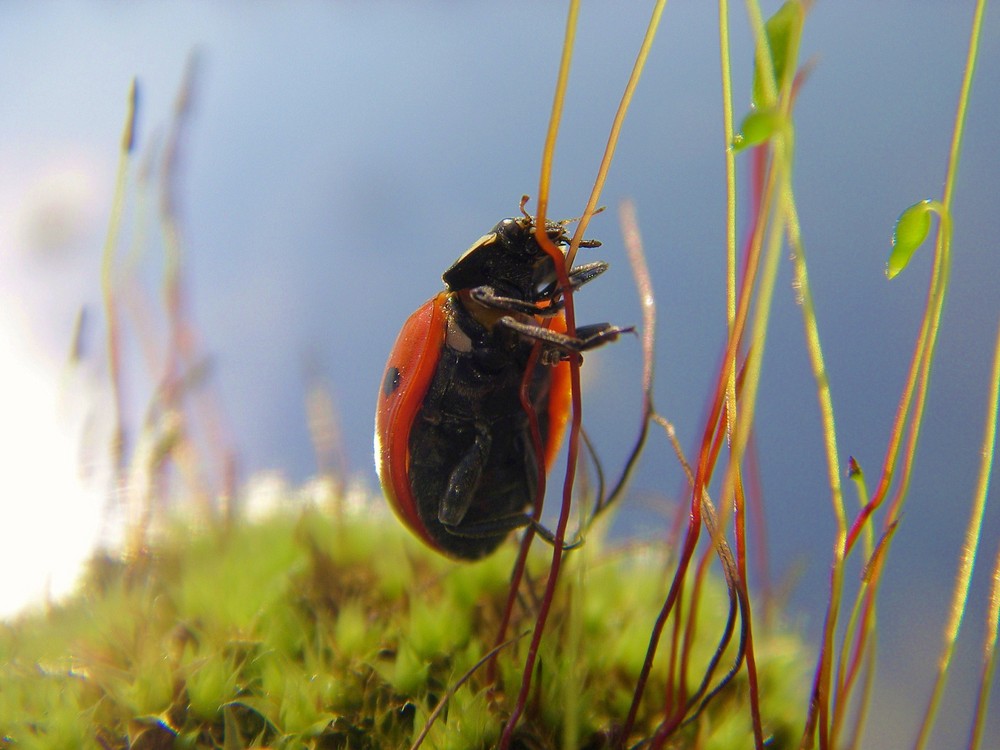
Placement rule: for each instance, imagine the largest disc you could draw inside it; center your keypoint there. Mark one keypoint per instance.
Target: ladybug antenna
(559, 227)
(566, 222)
(554, 228)
(522, 204)
(563, 223)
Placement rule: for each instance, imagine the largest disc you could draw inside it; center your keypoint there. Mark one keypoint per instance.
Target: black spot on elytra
(391, 382)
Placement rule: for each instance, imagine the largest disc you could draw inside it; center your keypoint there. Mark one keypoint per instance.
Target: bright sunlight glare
(50, 519)
(50, 513)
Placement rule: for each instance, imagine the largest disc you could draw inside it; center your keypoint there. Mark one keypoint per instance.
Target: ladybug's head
(509, 260)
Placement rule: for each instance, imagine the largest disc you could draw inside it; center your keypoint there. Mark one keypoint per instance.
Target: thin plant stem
(863, 611)
(545, 180)
(730, 162)
(108, 291)
(616, 127)
(555, 117)
(439, 708)
(640, 272)
(970, 549)
(989, 656)
(561, 266)
(954, 156)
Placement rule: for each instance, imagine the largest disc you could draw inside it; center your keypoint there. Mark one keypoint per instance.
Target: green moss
(305, 633)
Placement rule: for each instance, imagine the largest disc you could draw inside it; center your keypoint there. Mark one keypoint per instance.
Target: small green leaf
(211, 685)
(909, 233)
(757, 127)
(784, 31)
(411, 670)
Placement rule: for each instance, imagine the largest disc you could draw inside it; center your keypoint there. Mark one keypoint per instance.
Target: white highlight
(50, 521)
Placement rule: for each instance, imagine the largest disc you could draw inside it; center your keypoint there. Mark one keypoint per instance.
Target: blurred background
(340, 155)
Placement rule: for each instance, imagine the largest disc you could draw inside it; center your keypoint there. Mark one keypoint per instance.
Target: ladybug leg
(487, 296)
(558, 345)
(550, 537)
(506, 524)
(578, 277)
(464, 479)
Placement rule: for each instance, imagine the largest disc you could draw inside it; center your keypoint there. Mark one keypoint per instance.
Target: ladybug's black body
(472, 420)
(453, 440)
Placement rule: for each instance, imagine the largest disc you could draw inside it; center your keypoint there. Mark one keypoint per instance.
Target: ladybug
(453, 443)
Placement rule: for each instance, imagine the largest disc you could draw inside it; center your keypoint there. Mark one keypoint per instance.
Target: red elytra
(453, 444)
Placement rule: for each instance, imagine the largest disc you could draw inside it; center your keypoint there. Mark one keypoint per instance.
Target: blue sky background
(341, 155)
